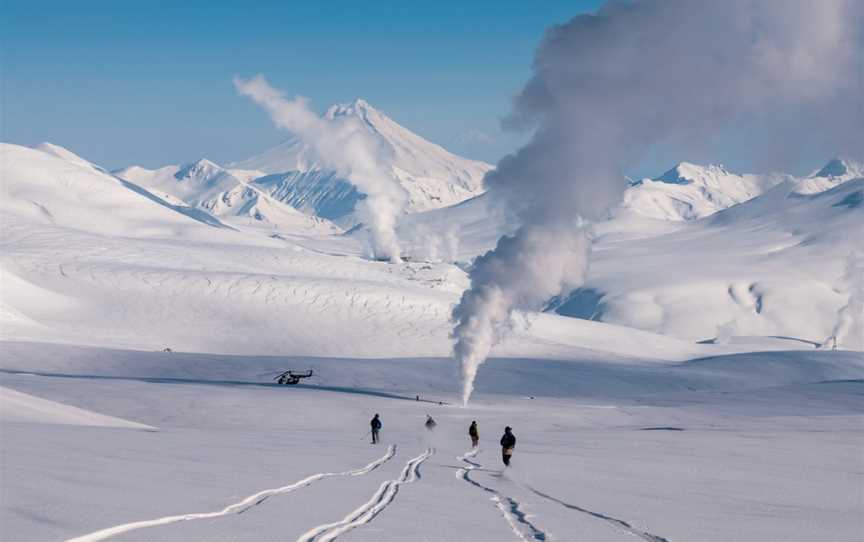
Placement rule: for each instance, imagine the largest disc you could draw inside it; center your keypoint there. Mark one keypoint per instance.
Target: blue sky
(149, 83)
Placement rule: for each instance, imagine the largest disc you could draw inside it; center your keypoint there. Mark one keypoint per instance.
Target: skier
(474, 434)
(376, 426)
(430, 423)
(508, 442)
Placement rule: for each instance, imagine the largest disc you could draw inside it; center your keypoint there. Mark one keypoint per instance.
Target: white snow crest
(342, 143)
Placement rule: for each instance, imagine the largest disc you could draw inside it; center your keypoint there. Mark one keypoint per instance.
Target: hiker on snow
(474, 434)
(376, 426)
(430, 423)
(508, 442)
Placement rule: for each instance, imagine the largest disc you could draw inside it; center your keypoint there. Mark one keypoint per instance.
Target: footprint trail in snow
(620, 523)
(524, 529)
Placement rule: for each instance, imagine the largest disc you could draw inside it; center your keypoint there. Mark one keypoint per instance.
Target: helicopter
(291, 377)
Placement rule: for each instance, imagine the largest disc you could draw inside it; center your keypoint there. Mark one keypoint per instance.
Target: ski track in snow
(236, 508)
(518, 520)
(371, 508)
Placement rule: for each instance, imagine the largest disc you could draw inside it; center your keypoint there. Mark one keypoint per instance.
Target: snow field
(762, 439)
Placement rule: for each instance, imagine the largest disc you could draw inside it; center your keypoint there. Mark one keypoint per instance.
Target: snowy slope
(781, 264)
(65, 154)
(432, 176)
(776, 265)
(23, 408)
(40, 188)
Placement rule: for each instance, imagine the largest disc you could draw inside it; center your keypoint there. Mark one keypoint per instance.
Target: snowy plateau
(705, 384)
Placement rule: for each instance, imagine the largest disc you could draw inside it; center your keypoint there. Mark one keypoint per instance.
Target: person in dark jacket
(376, 426)
(430, 423)
(474, 434)
(508, 442)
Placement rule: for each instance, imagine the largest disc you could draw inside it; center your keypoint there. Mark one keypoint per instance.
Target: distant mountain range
(270, 187)
(133, 257)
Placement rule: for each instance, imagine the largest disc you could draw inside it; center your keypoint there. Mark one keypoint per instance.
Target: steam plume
(345, 145)
(848, 330)
(606, 88)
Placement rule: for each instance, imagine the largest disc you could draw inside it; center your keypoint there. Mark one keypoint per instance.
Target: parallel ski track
(236, 508)
(371, 508)
(524, 529)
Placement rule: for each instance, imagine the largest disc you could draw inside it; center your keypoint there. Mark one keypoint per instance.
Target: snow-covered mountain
(225, 194)
(775, 264)
(690, 191)
(835, 172)
(432, 176)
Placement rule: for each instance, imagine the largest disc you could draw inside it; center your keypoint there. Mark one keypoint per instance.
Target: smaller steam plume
(344, 145)
(848, 331)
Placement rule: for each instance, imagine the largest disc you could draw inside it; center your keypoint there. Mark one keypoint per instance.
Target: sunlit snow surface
(696, 405)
